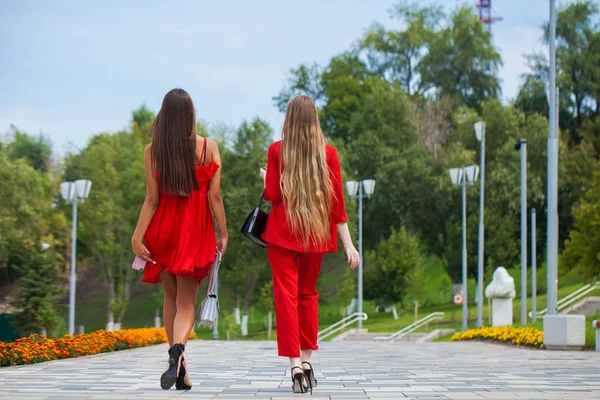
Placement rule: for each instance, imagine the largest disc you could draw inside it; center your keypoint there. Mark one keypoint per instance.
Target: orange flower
(35, 348)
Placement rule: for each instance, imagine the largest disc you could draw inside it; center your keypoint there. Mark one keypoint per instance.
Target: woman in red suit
(175, 233)
(304, 183)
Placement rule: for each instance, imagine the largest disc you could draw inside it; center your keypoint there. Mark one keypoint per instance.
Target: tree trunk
(416, 310)
(244, 327)
(395, 312)
(157, 317)
(236, 310)
(110, 325)
(270, 325)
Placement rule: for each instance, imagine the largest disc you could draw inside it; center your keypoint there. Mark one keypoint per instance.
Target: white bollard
(596, 325)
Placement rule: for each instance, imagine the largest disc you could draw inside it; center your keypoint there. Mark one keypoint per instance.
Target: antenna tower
(485, 13)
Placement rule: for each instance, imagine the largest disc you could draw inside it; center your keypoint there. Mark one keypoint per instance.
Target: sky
(70, 69)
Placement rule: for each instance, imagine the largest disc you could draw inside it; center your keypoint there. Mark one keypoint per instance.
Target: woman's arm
(353, 256)
(148, 210)
(216, 198)
(272, 177)
(339, 211)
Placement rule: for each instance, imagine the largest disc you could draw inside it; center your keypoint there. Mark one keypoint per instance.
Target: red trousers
(296, 299)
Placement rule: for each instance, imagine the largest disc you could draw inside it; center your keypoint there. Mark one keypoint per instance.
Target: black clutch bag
(255, 224)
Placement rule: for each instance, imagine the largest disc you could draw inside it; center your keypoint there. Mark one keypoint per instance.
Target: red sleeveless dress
(181, 236)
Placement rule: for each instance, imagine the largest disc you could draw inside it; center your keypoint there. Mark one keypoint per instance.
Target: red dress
(181, 236)
(278, 231)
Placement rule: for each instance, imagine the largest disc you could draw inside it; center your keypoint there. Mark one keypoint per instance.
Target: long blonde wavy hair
(305, 182)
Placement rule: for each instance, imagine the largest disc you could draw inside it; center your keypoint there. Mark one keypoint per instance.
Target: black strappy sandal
(169, 377)
(310, 375)
(298, 381)
(180, 382)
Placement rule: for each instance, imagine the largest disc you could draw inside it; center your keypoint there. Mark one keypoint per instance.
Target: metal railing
(341, 324)
(436, 316)
(571, 298)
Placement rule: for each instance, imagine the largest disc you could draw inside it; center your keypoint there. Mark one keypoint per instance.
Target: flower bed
(36, 348)
(507, 334)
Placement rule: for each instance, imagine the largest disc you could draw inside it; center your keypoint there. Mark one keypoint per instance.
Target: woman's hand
(140, 250)
(263, 173)
(353, 256)
(222, 244)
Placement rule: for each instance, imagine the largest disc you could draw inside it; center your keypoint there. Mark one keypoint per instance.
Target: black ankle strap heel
(169, 377)
(298, 381)
(310, 375)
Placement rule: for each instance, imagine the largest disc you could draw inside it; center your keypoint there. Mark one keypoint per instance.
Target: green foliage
(583, 246)
(266, 302)
(347, 289)
(26, 212)
(245, 265)
(35, 150)
(37, 290)
(114, 164)
(387, 278)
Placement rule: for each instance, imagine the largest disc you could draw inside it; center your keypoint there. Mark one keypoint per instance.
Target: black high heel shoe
(169, 377)
(180, 383)
(298, 381)
(310, 375)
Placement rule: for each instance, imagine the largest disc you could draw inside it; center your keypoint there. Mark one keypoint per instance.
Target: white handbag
(209, 310)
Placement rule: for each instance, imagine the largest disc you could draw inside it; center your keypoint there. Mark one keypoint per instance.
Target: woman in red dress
(175, 233)
(304, 183)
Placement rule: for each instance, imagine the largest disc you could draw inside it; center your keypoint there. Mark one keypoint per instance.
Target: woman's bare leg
(306, 357)
(187, 291)
(169, 284)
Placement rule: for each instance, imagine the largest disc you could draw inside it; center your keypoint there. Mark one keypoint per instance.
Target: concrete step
(370, 336)
(587, 306)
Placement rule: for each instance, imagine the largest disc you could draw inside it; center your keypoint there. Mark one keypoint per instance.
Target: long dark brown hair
(174, 144)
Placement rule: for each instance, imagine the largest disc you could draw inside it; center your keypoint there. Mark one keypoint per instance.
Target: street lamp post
(359, 190)
(522, 146)
(462, 177)
(480, 134)
(552, 228)
(533, 267)
(74, 192)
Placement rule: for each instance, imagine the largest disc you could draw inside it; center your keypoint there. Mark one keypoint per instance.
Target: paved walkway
(345, 370)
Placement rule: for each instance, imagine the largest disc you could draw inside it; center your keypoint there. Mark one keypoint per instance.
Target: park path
(345, 370)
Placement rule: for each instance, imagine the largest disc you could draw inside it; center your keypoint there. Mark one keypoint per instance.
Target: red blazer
(278, 231)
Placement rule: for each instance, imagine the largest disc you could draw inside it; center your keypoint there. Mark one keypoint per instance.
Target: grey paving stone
(345, 370)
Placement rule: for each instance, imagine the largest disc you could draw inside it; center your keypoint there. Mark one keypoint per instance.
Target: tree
(583, 246)
(416, 284)
(462, 62)
(395, 55)
(386, 278)
(36, 150)
(246, 264)
(577, 63)
(306, 79)
(37, 290)
(115, 165)
(267, 304)
(142, 119)
(26, 212)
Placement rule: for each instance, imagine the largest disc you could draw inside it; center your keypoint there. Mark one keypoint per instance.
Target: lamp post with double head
(74, 192)
(463, 177)
(359, 190)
